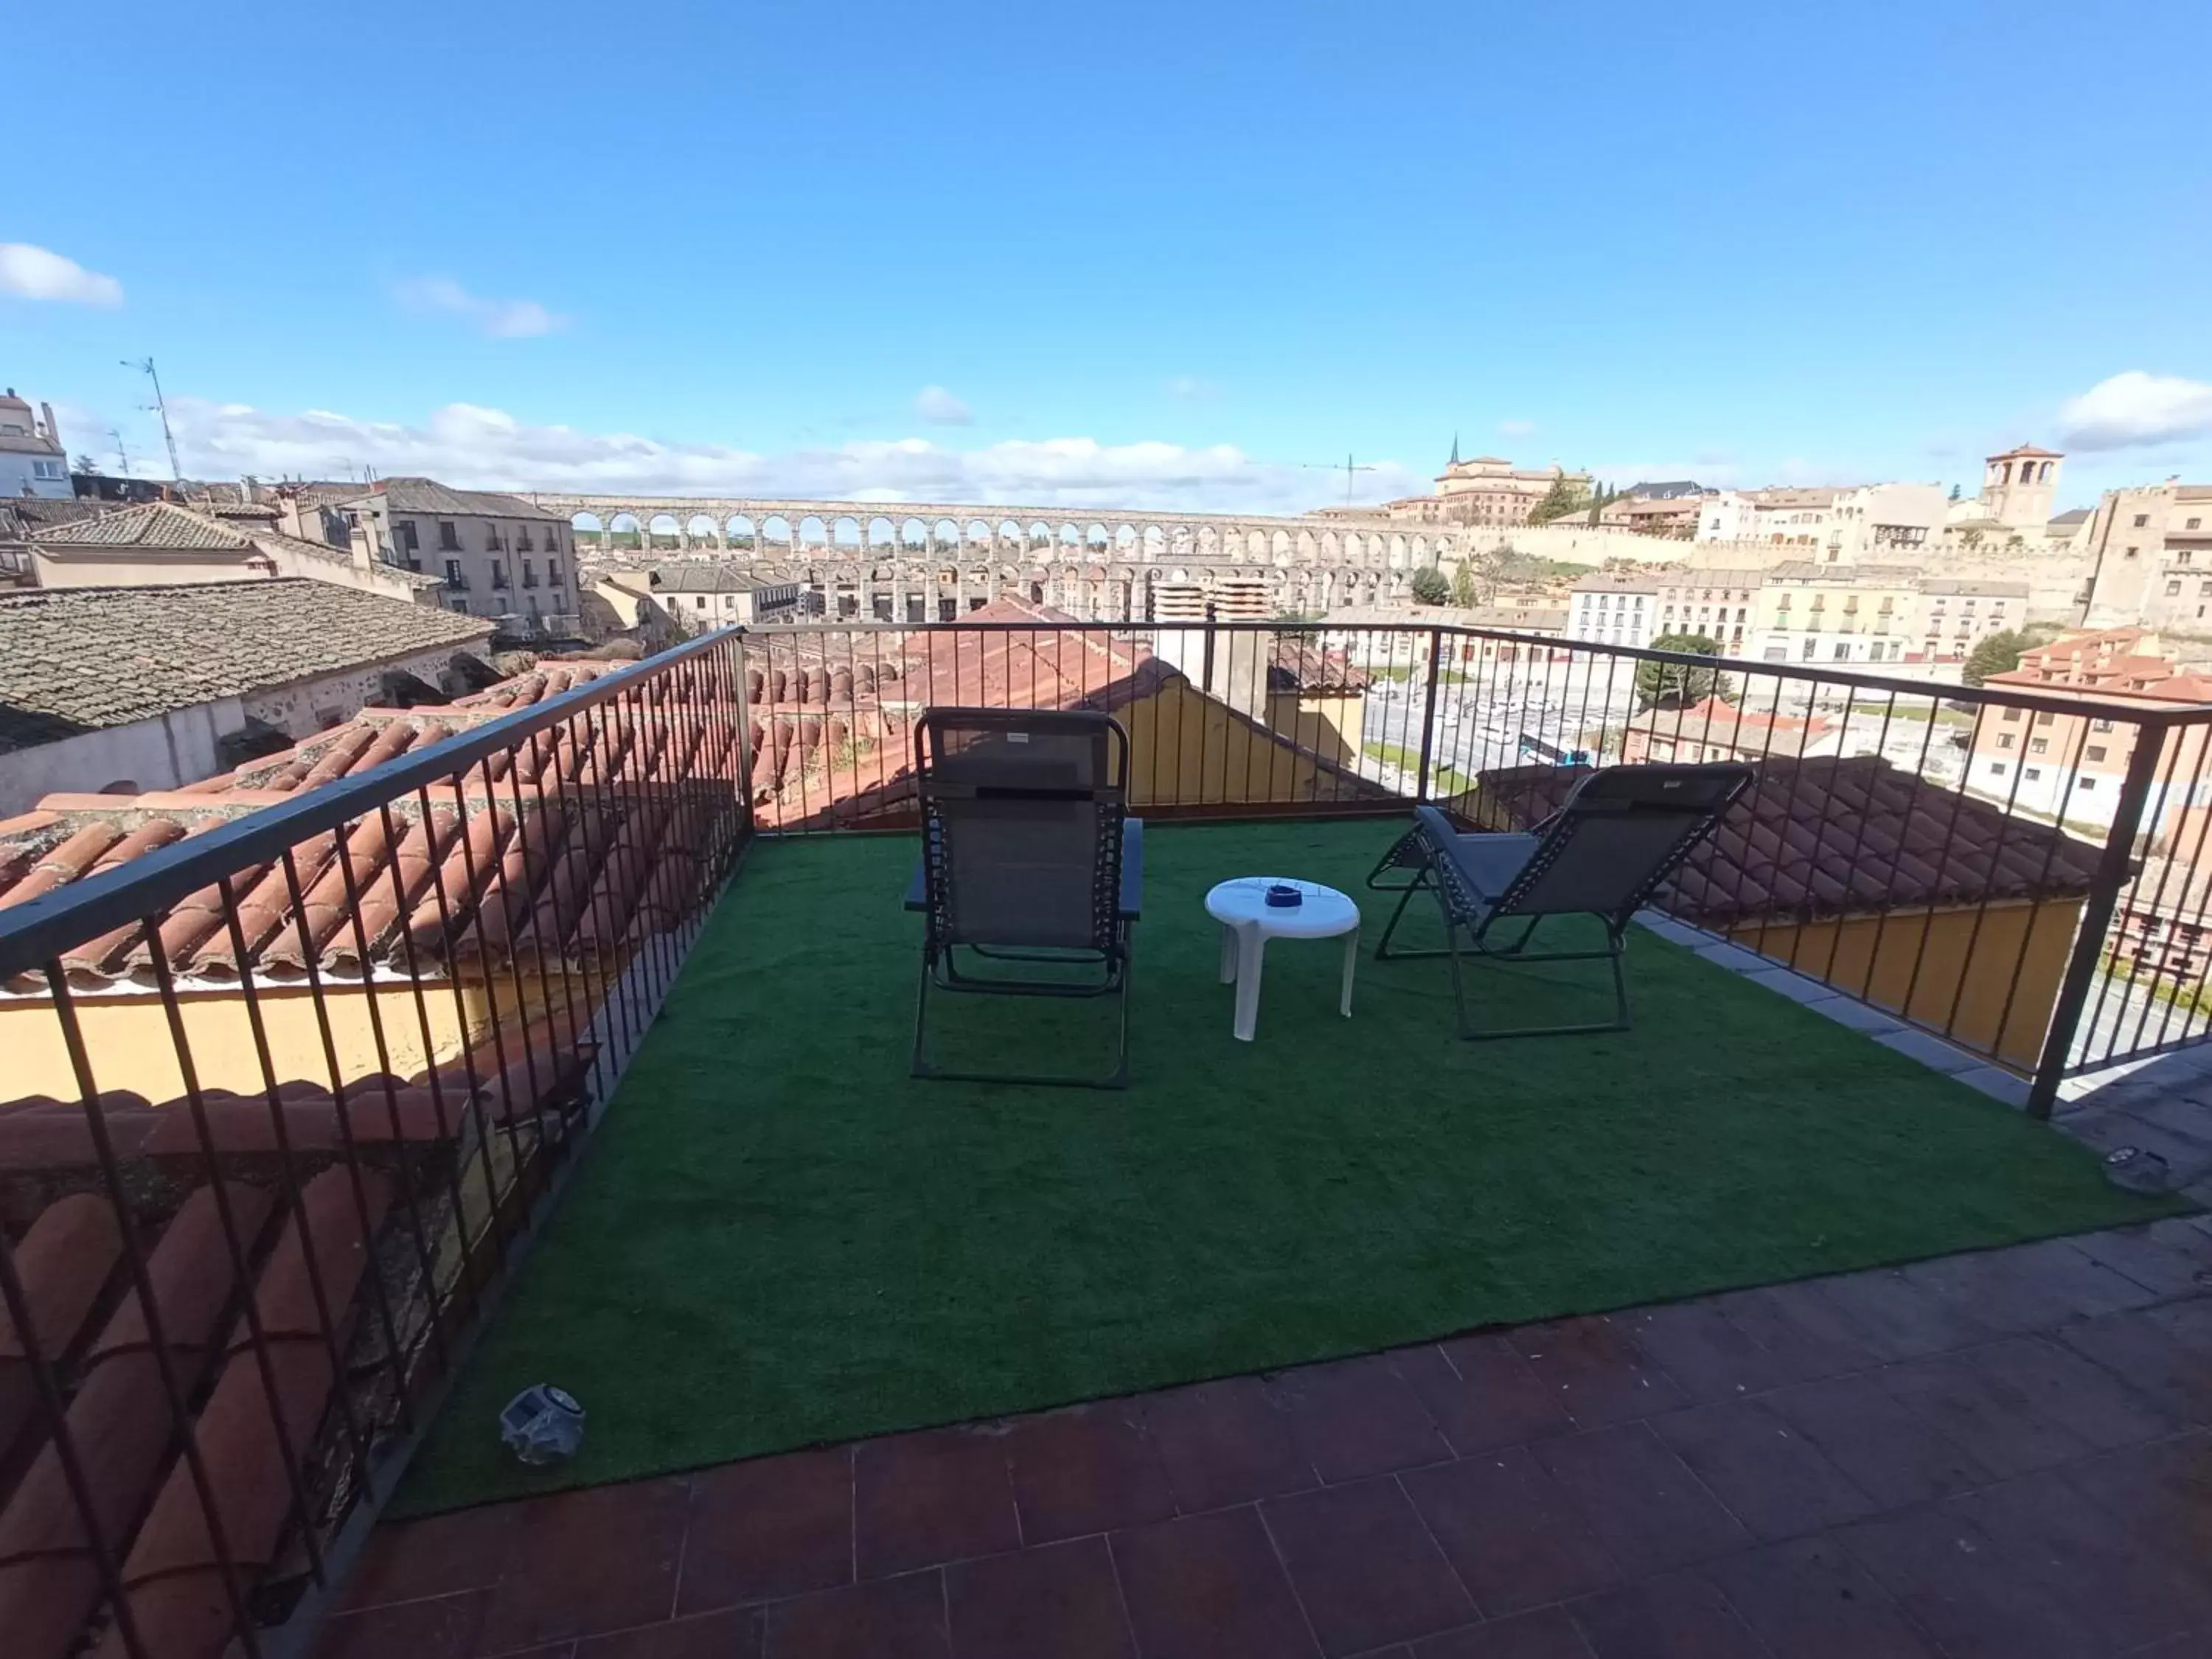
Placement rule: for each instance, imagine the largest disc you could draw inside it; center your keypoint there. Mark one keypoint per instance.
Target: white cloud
(940, 408)
(1190, 388)
(38, 273)
(467, 444)
(1516, 428)
(502, 320)
(2135, 408)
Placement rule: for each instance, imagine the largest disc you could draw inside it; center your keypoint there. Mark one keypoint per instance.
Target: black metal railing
(2017, 868)
(286, 1095)
(289, 1087)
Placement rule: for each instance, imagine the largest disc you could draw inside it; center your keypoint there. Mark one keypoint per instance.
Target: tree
(1678, 685)
(1969, 539)
(87, 465)
(1463, 591)
(1954, 492)
(1561, 498)
(1431, 587)
(1997, 654)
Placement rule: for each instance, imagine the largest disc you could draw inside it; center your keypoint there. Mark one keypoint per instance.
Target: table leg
(1351, 961)
(1228, 954)
(1251, 953)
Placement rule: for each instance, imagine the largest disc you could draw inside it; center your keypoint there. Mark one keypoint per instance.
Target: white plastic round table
(1249, 921)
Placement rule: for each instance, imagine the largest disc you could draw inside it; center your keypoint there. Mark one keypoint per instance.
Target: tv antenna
(161, 408)
(121, 455)
(1345, 467)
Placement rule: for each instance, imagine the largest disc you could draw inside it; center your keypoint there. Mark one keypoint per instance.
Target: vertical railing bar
(51, 1400)
(181, 1422)
(343, 1110)
(234, 1246)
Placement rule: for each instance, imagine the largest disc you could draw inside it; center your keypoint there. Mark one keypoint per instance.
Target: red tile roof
(1829, 836)
(513, 853)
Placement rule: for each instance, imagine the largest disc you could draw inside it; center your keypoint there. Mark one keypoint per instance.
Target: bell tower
(2017, 487)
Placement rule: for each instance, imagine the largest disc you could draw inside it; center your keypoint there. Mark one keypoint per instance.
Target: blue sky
(1144, 254)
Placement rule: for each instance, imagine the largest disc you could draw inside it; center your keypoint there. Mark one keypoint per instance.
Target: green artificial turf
(778, 1238)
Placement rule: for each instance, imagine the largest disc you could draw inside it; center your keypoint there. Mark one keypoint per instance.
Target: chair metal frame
(1425, 850)
(1117, 878)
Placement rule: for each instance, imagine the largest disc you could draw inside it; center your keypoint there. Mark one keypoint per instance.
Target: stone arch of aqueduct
(916, 562)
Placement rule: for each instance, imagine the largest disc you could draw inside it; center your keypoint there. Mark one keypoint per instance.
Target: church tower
(2017, 485)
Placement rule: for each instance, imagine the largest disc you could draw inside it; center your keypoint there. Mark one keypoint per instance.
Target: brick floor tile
(1512, 1534)
(1977, 1599)
(2027, 1403)
(1364, 1566)
(442, 1627)
(1809, 1335)
(1709, 1356)
(1354, 1417)
(921, 1499)
(1637, 1495)
(1480, 1393)
(1225, 1443)
(1060, 1600)
(2173, 1257)
(1549, 1634)
(901, 1618)
(732, 1633)
(1808, 1599)
(406, 1560)
(773, 1527)
(1886, 1449)
(1899, 1319)
(1770, 1477)
(586, 1562)
(1207, 1585)
(2141, 1351)
(1087, 1470)
(2028, 1287)
(2139, 1595)
(2157, 1495)
(1682, 1617)
(1595, 1370)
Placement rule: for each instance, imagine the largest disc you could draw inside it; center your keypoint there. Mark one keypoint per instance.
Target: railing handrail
(42, 928)
(2157, 716)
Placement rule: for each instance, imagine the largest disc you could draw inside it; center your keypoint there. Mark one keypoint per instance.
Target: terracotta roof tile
(1828, 836)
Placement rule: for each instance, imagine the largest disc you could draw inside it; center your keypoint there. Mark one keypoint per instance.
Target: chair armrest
(1133, 868)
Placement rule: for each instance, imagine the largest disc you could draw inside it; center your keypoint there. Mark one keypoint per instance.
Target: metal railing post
(1429, 711)
(2114, 867)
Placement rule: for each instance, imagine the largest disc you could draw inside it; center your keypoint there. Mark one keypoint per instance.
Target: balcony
(346, 1049)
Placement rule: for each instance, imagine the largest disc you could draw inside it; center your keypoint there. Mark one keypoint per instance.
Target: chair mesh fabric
(1618, 835)
(1022, 820)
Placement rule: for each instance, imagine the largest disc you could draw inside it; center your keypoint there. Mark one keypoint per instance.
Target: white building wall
(46, 477)
(163, 753)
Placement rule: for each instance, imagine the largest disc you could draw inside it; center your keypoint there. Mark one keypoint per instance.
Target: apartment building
(1718, 603)
(1811, 611)
(722, 596)
(32, 460)
(1615, 607)
(1957, 614)
(2070, 766)
(1488, 491)
(1789, 517)
(499, 556)
(2151, 559)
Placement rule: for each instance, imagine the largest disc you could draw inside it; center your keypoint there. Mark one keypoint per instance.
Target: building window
(2141, 519)
(2005, 740)
(498, 574)
(54, 472)
(2044, 717)
(408, 541)
(2086, 785)
(1997, 768)
(2033, 774)
(2095, 752)
(2172, 590)
(553, 573)
(2101, 726)
(2038, 746)
(2012, 714)
(1843, 651)
(453, 577)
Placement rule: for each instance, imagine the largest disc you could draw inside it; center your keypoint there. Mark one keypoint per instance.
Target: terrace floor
(1342, 1296)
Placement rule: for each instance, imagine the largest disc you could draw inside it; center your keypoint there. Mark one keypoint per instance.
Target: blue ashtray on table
(1284, 897)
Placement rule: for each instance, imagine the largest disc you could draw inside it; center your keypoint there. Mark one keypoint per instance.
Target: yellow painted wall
(1880, 953)
(1328, 723)
(1186, 747)
(129, 1041)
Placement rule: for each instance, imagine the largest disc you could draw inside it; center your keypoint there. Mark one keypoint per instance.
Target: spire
(1455, 459)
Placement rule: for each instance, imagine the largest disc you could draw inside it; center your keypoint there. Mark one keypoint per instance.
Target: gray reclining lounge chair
(1608, 848)
(1028, 858)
